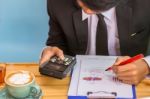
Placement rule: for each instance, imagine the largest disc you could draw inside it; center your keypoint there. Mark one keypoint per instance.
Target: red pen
(132, 59)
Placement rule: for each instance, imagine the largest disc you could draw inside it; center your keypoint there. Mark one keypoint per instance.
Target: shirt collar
(85, 15)
(109, 14)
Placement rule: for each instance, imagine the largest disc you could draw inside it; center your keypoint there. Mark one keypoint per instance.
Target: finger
(127, 67)
(121, 59)
(131, 82)
(125, 81)
(131, 76)
(125, 76)
(128, 82)
(121, 69)
(59, 53)
(117, 62)
(45, 57)
(128, 78)
(114, 68)
(126, 73)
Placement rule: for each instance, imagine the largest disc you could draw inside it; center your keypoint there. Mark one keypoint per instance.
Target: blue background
(23, 30)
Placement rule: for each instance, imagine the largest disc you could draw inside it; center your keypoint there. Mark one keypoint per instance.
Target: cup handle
(35, 90)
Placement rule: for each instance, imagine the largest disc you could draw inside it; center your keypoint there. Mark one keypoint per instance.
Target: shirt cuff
(147, 59)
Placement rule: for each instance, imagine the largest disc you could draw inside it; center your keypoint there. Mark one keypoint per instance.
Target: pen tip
(108, 69)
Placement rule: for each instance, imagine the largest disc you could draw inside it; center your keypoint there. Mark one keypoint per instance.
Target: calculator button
(60, 62)
(53, 60)
(66, 59)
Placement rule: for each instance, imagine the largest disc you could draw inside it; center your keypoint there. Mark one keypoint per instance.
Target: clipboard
(75, 92)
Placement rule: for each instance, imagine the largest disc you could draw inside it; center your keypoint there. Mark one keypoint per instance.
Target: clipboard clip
(101, 95)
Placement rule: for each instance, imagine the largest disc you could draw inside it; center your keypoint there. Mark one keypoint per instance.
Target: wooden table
(57, 89)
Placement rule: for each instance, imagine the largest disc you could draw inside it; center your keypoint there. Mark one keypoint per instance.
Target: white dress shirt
(112, 30)
(113, 40)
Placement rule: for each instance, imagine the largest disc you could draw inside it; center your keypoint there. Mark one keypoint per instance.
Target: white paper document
(91, 81)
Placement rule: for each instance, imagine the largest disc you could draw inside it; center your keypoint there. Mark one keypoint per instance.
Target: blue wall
(23, 30)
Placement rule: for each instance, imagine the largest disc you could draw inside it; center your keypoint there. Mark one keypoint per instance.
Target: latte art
(19, 78)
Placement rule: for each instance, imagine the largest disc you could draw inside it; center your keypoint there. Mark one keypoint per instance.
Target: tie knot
(100, 16)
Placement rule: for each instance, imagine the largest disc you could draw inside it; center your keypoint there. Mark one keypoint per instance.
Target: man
(101, 27)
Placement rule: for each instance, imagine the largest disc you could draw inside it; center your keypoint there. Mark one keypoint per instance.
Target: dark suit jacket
(70, 33)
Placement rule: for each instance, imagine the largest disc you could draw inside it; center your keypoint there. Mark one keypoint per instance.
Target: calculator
(58, 68)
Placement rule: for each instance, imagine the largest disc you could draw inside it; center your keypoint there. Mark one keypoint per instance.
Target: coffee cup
(21, 84)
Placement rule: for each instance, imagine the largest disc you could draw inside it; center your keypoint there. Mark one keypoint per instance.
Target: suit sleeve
(56, 35)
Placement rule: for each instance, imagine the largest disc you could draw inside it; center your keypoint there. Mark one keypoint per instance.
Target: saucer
(5, 95)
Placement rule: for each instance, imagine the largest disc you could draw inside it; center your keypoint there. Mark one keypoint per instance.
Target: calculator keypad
(67, 61)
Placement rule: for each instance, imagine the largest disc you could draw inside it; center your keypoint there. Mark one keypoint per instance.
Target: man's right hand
(49, 52)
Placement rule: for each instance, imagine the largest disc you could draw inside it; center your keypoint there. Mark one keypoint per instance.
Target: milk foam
(19, 78)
